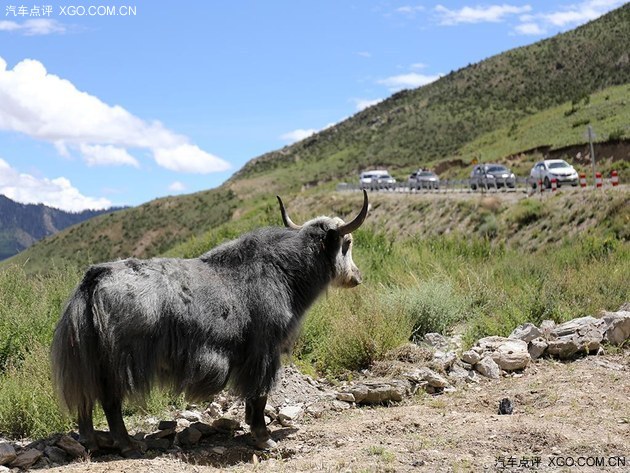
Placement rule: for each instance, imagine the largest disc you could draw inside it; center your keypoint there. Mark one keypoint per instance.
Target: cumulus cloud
(46, 107)
(566, 17)
(479, 14)
(177, 187)
(97, 155)
(33, 27)
(58, 193)
(408, 81)
(362, 104)
(297, 135)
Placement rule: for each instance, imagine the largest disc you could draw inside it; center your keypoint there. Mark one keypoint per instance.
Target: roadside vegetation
(469, 285)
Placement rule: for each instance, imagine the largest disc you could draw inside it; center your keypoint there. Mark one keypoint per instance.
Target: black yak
(196, 324)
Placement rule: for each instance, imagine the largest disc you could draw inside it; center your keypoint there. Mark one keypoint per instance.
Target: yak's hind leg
(113, 412)
(255, 417)
(86, 427)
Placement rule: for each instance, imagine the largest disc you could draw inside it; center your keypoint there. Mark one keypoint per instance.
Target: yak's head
(336, 240)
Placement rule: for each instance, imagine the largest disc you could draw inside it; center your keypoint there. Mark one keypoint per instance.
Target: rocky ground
(424, 409)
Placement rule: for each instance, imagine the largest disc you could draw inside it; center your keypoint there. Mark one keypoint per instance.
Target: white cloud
(364, 54)
(533, 29)
(58, 193)
(418, 65)
(188, 158)
(479, 14)
(362, 104)
(47, 107)
(567, 17)
(408, 81)
(298, 135)
(97, 155)
(33, 27)
(409, 9)
(177, 187)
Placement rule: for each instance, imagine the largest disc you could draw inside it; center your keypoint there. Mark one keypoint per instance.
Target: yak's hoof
(266, 444)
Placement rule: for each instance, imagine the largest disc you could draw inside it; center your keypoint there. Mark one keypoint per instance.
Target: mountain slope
(21, 225)
(410, 129)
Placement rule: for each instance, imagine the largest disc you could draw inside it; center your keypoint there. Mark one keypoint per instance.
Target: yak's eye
(345, 247)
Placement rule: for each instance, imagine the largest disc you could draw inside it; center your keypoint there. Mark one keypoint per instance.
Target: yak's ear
(332, 241)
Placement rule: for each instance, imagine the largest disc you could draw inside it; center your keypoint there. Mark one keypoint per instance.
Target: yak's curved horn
(285, 218)
(358, 220)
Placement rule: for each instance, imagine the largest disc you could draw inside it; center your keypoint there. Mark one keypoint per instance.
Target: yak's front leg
(255, 417)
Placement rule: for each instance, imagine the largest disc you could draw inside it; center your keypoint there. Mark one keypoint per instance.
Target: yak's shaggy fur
(194, 324)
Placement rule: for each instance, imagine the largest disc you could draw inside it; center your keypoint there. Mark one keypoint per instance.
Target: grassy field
(413, 285)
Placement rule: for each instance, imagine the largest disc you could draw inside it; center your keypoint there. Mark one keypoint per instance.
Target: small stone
(218, 450)
(512, 355)
(339, 405)
(225, 424)
(617, 327)
(359, 391)
(71, 446)
(347, 397)
(7, 453)
(537, 347)
(290, 413)
(56, 454)
(160, 434)
(526, 332)
(26, 458)
(204, 428)
(162, 444)
(191, 416)
(471, 357)
(506, 407)
(188, 437)
(214, 410)
(183, 423)
(488, 368)
(444, 361)
(167, 424)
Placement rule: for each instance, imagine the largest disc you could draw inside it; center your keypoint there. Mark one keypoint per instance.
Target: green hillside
(539, 95)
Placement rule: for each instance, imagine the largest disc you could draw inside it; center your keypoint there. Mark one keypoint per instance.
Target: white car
(545, 171)
(376, 179)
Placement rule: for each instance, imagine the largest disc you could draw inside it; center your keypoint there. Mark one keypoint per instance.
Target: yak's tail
(74, 353)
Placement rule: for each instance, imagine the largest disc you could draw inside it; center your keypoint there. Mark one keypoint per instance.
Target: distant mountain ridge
(21, 225)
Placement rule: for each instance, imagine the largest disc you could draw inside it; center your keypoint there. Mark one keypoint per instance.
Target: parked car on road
(491, 175)
(545, 171)
(422, 179)
(376, 179)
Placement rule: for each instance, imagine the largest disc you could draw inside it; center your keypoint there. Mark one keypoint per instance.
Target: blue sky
(116, 103)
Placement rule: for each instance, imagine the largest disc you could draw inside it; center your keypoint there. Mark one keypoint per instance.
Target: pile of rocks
(56, 450)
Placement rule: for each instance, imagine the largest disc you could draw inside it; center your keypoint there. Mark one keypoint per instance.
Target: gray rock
(290, 413)
(583, 335)
(347, 397)
(512, 355)
(377, 392)
(161, 445)
(204, 428)
(191, 416)
(536, 348)
(339, 405)
(167, 424)
(425, 374)
(26, 458)
(444, 360)
(436, 341)
(188, 437)
(71, 446)
(7, 453)
(526, 332)
(617, 327)
(56, 454)
(225, 424)
(161, 434)
(458, 374)
(471, 357)
(488, 368)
